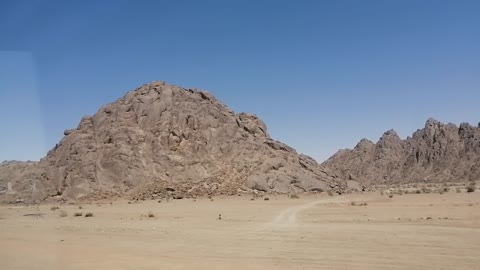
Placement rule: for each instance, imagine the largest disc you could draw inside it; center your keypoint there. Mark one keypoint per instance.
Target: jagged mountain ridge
(161, 137)
(437, 153)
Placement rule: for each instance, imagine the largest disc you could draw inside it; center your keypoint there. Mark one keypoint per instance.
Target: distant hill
(437, 153)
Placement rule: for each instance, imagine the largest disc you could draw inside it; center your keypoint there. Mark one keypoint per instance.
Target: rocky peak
(390, 136)
(389, 144)
(160, 136)
(364, 145)
(432, 123)
(438, 152)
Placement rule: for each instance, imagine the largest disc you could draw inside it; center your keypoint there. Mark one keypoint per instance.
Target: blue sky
(321, 74)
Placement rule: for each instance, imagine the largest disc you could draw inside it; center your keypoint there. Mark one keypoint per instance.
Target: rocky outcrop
(437, 153)
(160, 136)
(20, 178)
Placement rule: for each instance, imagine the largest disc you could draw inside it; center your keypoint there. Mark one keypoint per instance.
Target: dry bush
(294, 196)
(78, 214)
(390, 196)
(150, 215)
(89, 215)
(426, 190)
(396, 191)
(358, 204)
(330, 193)
(266, 199)
(471, 187)
(80, 207)
(443, 190)
(53, 208)
(63, 213)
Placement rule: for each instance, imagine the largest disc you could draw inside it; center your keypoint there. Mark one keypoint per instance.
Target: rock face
(437, 153)
(162, 138)
(20, 178)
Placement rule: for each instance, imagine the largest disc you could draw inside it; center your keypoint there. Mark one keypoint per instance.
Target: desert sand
(412, 231)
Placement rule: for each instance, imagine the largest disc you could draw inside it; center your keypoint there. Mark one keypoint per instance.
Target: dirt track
(309, 233)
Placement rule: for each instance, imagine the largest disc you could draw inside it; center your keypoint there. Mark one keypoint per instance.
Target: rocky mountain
(162, 139)
(437, 153)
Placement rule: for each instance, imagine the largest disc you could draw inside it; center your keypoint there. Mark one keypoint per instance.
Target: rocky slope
(436, 153)
(162, 139)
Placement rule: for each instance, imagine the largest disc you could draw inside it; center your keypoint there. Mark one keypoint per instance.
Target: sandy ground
(313, 232)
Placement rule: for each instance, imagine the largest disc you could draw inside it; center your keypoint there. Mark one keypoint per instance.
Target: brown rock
(165, 141)
(437, 153)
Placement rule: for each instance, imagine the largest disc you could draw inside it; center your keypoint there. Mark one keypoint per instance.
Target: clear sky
(321, 74)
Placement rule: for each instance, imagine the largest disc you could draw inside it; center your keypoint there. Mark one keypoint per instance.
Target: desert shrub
(53, 208)
(393, 191)
(150, 215)
(294, 196)
(89, 215)
(80, 207)
(63, 214)
(330, 193)
(78, 214)
(390, 196)
(358, 204)
(471, 187)
(266, 199)
(426, 190)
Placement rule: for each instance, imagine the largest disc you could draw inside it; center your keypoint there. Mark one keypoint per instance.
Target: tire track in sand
(288, 217)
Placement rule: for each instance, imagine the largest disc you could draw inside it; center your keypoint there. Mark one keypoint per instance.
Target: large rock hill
(436, 153)
(161, 138)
